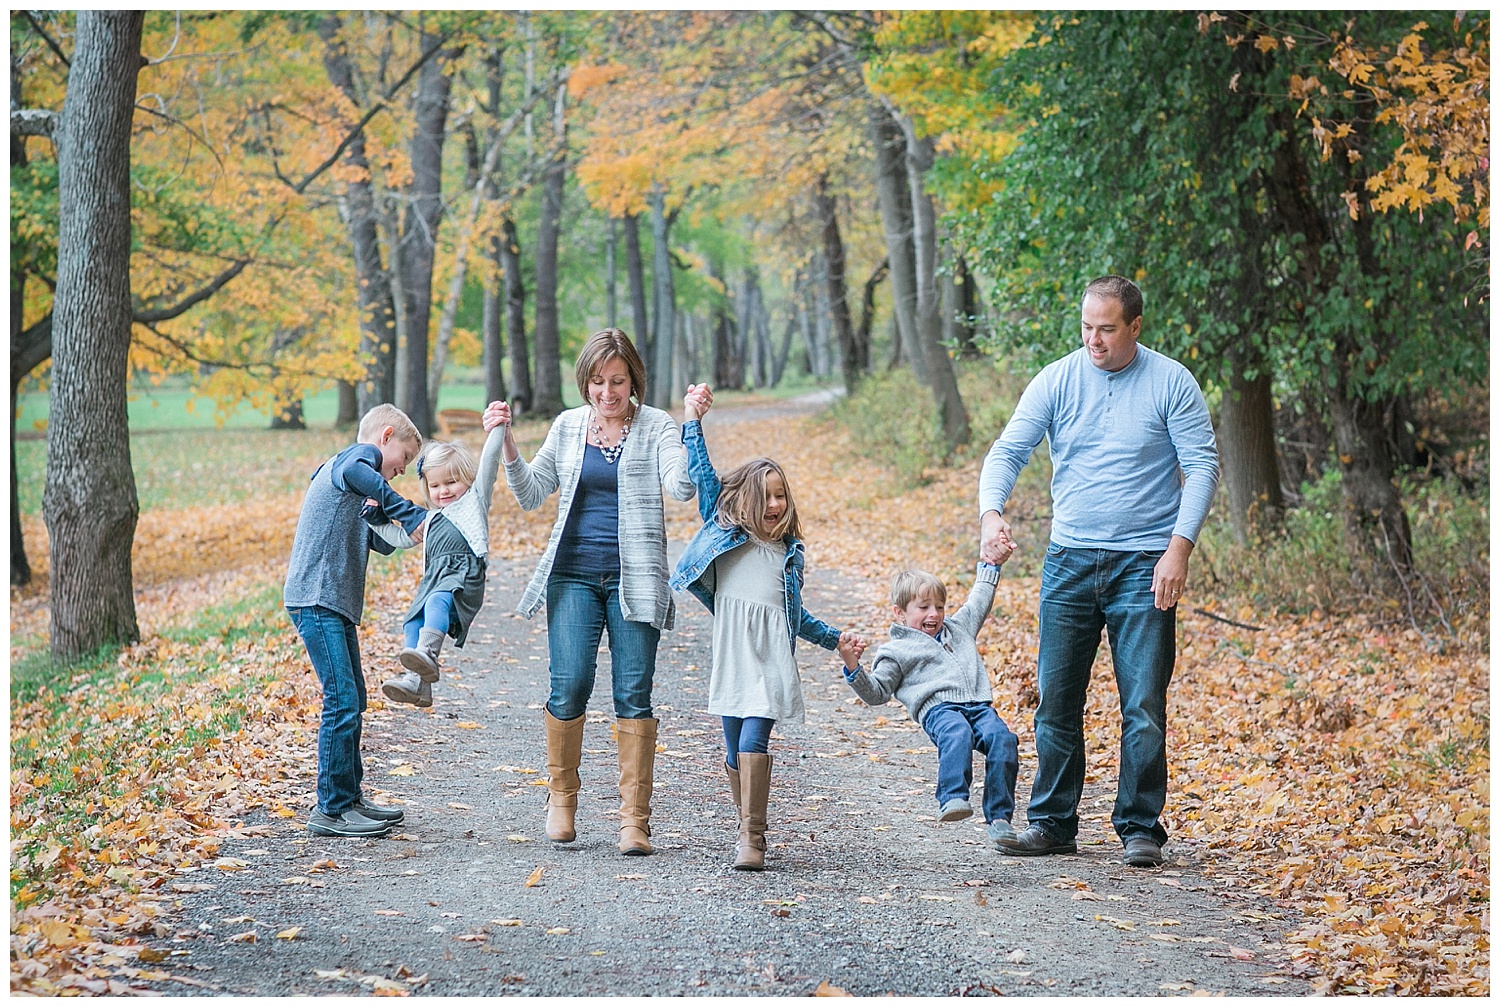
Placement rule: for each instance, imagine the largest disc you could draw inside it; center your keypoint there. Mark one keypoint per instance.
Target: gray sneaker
(955, 810)
(351, 824)
(380, 812)
(408, 687)
(1000, 833)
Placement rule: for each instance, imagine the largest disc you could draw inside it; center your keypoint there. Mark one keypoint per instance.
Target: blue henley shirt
(1133, 454)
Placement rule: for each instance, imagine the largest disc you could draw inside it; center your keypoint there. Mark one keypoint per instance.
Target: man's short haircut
(910, 585)
(1122, 290)
(600, 348)
(387, 415)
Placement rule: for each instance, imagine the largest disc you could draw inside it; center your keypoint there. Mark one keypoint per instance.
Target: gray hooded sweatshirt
(921, 671)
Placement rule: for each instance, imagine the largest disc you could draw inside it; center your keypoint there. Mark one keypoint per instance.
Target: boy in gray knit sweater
(932, 665)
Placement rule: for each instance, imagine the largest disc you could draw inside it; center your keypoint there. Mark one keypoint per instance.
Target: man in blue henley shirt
(1134, 470)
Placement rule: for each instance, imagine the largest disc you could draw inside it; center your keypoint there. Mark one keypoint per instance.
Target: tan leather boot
(755, 790)
(637, 740)
(564, 750)
(734, 791)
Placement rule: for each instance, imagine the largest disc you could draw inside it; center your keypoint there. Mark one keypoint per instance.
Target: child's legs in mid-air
(745, 734)
(998, 743)
(948, 727)
(332, 643)
(437, 613)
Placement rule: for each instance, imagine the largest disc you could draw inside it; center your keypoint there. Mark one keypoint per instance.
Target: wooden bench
(452, 422)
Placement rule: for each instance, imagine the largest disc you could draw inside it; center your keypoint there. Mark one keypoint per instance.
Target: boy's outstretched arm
(981, 600)
(357, 471)
(877, 685)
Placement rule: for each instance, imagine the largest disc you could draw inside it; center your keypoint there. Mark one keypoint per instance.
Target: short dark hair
(1120, 289)
(602, 346)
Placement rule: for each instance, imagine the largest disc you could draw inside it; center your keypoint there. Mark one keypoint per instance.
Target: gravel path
(864, 891)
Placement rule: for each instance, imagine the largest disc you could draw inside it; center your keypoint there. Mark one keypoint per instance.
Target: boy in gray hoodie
(932, 666)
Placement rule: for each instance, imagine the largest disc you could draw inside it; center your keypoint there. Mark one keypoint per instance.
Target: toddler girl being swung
(455, 555)
(745, 564)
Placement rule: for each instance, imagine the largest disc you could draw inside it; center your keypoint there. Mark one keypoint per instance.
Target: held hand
(851, 649)
(496, 414)
(995, 543)
(1170, 575)
(421, 533)
(698, 401)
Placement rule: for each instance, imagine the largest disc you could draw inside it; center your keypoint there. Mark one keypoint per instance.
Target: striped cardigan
(652, 462)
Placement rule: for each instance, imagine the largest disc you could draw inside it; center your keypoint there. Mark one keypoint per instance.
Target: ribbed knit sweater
(921, 670)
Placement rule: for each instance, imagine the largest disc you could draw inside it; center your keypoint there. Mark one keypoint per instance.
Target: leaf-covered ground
(1338, 765)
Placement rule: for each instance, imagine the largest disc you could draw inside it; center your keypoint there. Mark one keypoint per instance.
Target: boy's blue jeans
(579, 608)
(1084, 591)
(332, 643)
(437, 613)
(959, 730)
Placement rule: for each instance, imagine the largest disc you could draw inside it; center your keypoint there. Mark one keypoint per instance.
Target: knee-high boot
(564, 751)
(734, 791)
(755, 791)
(637, 740)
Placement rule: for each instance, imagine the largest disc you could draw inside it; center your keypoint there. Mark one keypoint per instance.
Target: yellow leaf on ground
(248, 937)
(289, 934)
(535, 877)
(402, 770)
(828, 989)
(469, 725)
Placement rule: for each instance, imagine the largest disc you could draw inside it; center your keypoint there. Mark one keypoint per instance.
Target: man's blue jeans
(1084, 591)
(579, 608)
(959, 730)
(332, 643)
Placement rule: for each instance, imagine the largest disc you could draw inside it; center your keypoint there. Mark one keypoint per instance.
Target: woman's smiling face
(609, 389)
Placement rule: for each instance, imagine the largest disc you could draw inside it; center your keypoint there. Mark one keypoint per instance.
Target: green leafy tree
(1149, 149)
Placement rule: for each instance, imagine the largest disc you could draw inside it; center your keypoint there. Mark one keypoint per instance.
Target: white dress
(754, 672)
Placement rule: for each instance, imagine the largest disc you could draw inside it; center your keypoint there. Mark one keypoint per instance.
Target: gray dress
(450, 565)
(754, 672)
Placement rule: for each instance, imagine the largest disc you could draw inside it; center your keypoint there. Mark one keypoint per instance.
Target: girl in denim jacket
(745, 565)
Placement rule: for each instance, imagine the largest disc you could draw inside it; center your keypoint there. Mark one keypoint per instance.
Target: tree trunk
(729, 365)
(545, 337)
(838, 300)
(659, 381)
(348, 405)
(419, 232)
(763, 334)
(1247, 446)
(474, 183)
(515, 317)
(494, 330)
(611, 242)
(90, 501)
(941, 379)
(377, 309)
(961, 305)
(635, 271)
(894, 192)
(1374, 519)
(287, 413)
(863, 336)
(20, 566)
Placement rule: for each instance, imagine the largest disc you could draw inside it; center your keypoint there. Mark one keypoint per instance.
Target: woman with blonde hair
(605, 568)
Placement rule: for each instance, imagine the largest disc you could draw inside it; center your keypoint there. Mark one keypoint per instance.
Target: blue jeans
(1084, 591)
(745, 734)
(579, 608)
(437, 613)
(959, 730)
(332, 643)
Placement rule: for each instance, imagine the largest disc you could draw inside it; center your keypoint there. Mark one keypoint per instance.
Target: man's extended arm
(1007, 456)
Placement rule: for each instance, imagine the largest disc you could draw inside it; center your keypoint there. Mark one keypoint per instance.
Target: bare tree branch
(36, 26)
(148, 317)
(33, 122)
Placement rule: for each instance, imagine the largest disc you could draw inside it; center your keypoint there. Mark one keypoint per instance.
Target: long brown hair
(742, 500)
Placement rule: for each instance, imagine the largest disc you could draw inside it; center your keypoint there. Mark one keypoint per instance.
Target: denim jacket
(714, 540)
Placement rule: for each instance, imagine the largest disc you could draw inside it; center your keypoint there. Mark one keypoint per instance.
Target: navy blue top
(590, 542)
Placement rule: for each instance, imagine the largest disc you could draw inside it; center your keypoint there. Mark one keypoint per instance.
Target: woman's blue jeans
(579, 609)
(332, 643)
(1084, 591)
